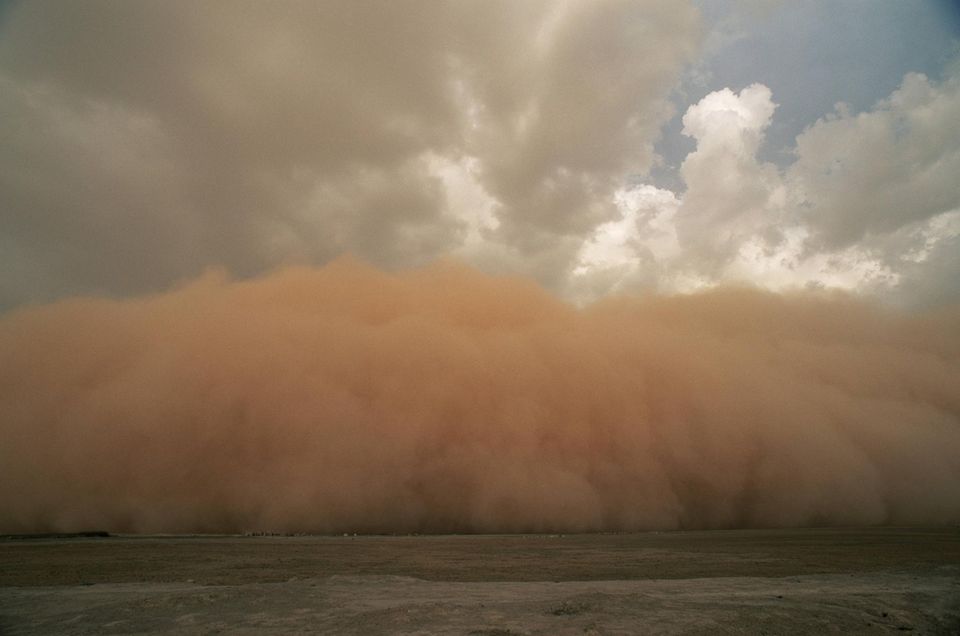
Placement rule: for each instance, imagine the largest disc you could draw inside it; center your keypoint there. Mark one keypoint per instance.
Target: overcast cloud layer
(149, 139)
(145, 141)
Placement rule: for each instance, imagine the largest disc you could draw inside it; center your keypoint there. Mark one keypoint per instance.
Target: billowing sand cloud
(346, 399)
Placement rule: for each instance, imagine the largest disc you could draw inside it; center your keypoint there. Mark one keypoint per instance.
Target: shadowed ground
(740, 581)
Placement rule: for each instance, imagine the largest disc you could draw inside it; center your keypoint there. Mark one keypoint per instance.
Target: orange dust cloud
(345, 399)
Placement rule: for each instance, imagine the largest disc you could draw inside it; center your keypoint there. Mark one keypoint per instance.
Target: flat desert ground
(865, 580)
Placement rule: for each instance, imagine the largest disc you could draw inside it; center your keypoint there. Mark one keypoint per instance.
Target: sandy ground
(751, 582)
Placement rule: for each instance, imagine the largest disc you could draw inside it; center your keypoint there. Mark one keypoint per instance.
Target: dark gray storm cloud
(144, 140)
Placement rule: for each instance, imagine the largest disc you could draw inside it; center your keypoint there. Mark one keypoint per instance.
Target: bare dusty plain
(874, 580)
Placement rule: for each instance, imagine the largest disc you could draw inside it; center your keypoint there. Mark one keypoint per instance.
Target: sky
(598, 147)
(478, 266)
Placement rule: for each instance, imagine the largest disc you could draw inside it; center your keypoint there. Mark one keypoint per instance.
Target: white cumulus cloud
(871, 201)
